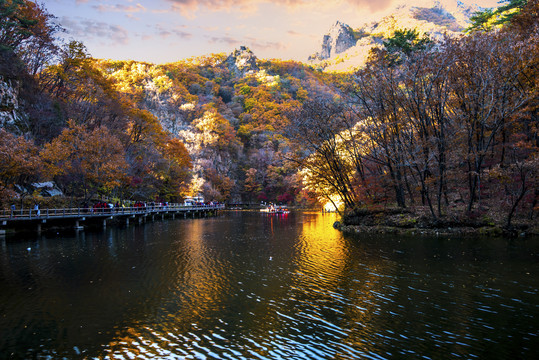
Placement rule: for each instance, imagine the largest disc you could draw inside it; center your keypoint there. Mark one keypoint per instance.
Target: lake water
(257, 286)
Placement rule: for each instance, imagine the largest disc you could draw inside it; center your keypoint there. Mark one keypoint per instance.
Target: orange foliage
(19, 161)
(83, 162)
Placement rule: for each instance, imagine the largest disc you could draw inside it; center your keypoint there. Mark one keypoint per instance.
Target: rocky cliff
(10, 111)
(344, 48)
(339, 39)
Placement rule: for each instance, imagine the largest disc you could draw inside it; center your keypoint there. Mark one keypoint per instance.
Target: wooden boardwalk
(73, 217)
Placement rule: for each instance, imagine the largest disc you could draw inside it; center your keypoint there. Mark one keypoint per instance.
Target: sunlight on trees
(446, 127)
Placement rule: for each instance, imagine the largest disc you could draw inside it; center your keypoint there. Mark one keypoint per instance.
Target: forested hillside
(447, 126)
(230, 112)
(130, 130)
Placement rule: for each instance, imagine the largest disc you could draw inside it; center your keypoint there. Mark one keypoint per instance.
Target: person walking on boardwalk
(36, 209)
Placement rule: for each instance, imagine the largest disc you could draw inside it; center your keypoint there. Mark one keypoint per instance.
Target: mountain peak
(242, 61)
(339, 39)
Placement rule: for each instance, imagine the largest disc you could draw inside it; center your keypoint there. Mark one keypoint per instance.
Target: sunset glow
(163, 31)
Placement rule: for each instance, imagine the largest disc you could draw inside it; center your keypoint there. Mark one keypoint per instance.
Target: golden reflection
(326, 281)
(321, 248)
(203, 281)
(197, 295)
(325, 263)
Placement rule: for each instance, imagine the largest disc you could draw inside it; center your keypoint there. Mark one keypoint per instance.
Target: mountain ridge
(435, 18)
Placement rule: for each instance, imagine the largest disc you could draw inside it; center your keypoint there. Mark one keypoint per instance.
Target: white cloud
(120, 8)
(87, 29)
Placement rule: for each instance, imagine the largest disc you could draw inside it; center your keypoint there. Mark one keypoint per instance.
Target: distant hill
(344, 47)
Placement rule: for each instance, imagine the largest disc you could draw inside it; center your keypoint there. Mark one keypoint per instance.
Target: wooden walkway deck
(73, 217)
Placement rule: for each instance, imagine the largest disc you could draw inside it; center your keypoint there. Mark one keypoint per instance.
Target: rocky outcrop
(241, 62)
(339, 39)
(9, 102)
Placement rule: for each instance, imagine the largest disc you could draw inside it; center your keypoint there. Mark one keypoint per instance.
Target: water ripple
(251, 287)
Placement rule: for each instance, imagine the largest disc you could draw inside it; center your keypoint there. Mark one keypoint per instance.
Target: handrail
(30, 213)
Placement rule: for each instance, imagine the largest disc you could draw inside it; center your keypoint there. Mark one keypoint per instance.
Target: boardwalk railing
(27, 214)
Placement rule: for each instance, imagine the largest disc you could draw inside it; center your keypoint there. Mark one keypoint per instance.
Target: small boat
(271, 209)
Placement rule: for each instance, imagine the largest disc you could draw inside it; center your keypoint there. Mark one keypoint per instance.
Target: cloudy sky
(162, 31)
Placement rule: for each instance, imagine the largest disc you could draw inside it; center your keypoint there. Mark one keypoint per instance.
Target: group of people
(153, 205)
(37, 211)
(102, 206)
(138, 205)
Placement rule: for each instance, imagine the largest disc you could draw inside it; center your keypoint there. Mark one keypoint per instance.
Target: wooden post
(77, 225)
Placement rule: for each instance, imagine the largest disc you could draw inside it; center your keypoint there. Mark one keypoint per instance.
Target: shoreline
(405, 222)
(458, 231)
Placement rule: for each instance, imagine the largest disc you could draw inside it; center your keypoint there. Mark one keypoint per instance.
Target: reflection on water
(259, 286)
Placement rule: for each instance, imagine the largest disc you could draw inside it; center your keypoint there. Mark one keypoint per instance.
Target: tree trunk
(523, 191)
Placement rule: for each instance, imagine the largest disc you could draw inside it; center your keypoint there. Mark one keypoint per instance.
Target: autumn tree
(212, 140)
(517, 179)
(316, 130)
(251, 185)
(86, 95)
(488, 95)
(20, 165)
(422, 95)
(175, 173)
(27, 29)
(84, 162)
(215, 131)
(374, 92)
(218, 186)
